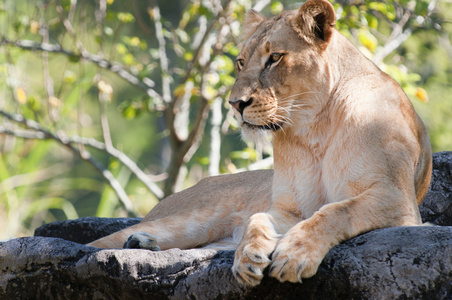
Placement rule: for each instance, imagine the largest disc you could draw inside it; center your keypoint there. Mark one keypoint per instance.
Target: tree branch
(85, 155)
(145, 84)
(215, 137)
(183, 149)
(398, 35)
(166, 89)
(93, 143)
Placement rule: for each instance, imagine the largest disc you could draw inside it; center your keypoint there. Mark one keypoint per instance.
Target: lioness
(350, 155)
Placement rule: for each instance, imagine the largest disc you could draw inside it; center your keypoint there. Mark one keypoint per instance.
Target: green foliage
(155, 73)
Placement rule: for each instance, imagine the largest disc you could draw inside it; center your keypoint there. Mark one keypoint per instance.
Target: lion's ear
(252, 21)
(316, 19)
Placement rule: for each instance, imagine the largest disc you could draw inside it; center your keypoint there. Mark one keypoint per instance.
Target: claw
(247, 280)
(142, 240)
(300, 271)
(257, 258)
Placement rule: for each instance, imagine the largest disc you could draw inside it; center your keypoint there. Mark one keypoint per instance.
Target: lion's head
(282, 71)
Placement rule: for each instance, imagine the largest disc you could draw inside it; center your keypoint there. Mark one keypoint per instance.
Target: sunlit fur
(350, 155)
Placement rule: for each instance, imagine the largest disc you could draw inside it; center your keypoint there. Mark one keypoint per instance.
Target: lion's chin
(256, 136)
(258, 133)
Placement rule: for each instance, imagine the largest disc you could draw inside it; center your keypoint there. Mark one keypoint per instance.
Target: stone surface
(392, 263)
(437, 205)
(85, 230)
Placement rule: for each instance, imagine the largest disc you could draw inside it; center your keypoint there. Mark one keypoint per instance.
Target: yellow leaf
(135, 41)
(21, 95)
(110, 1)
(34, 27)
(421, 94)
(179, 91)
(367, 40)
(54, 101)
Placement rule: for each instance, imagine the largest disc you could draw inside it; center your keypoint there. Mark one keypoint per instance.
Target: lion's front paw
(142, 240)
(295, 259)
(249, 264)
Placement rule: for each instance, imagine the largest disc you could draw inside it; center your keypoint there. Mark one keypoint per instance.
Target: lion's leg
(302, 249)
(205, 213)
(259, 241)
(171, 232)
(118, 239)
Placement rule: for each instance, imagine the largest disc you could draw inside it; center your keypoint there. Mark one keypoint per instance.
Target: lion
(350, 155)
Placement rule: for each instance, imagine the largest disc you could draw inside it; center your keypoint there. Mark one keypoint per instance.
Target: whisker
(280, 120)
(284, 119)
(294, 95)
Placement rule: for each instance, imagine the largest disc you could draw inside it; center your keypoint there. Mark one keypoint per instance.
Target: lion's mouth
(271, 126)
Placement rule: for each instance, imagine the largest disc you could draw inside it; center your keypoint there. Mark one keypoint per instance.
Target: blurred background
(108, 106)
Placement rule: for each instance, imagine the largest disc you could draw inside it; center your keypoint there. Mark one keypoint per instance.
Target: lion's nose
(240, 105)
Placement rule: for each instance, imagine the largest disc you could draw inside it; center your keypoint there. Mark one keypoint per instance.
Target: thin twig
(48, 81)
(104, 119)
(397, 37)
(215, 137)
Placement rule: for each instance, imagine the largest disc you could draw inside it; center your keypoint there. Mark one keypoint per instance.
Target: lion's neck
(317, 125)
(340, 53)
(290, 148)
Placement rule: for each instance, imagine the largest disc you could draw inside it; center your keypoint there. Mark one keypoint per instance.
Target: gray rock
(85, 230)
(392, 263)
(437, 205)
(46, 268)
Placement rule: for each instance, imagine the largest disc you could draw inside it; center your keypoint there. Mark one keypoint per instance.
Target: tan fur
(351, 155)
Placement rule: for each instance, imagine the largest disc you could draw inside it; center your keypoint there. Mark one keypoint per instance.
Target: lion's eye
(240, 64)
(274, 58)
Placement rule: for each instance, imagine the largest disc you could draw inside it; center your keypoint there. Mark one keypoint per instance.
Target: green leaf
(225, 64)
(372, 21)
(125, 17)
(69, 76)
(74, 58)
(247, 153)
(367, 40)
(276, 7)
(128, 59)
(129, 112)
(121, 48)
(188, 56)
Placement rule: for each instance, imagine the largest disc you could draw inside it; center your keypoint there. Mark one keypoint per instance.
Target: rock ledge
(392, 263)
